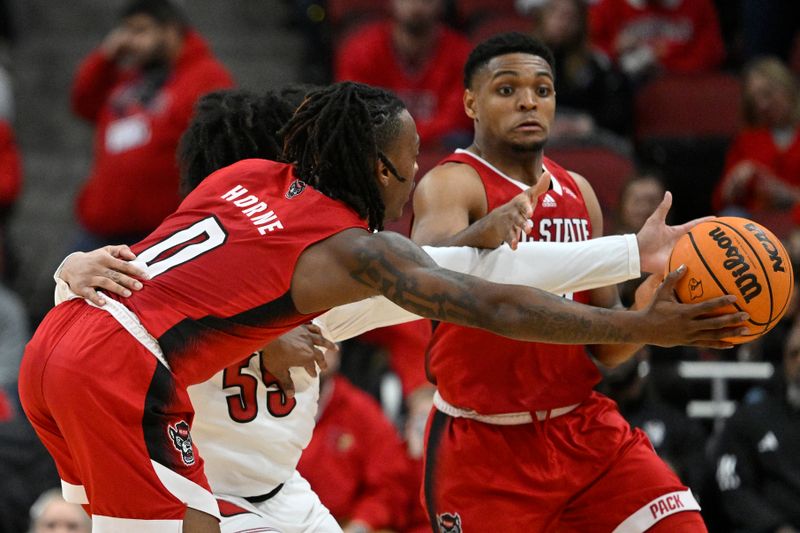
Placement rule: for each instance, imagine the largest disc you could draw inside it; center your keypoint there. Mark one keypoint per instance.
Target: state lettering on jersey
(563, 230)
(254, 208)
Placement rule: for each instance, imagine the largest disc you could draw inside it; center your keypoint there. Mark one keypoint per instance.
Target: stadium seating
(683, 125)
(471, 12)
(501, 23)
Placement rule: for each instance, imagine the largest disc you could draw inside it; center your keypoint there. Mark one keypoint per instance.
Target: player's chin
(528, 145)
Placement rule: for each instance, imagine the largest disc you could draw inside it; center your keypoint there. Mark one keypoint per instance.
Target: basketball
(731, 255)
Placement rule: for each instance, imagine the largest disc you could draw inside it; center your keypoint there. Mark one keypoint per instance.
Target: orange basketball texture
(732, 255)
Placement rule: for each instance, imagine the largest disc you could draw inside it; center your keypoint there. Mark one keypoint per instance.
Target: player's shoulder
(449, 179)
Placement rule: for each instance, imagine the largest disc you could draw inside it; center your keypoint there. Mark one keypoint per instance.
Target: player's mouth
(529, 125)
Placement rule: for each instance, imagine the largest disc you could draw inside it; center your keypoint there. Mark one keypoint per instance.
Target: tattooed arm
(353, 265)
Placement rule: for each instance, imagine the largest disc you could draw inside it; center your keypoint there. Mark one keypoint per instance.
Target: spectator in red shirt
(138, 89)
(762, 167)
(418, 58)
(642, 36)
(355, 461)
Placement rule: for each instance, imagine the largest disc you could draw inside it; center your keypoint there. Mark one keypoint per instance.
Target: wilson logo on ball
(748, 284)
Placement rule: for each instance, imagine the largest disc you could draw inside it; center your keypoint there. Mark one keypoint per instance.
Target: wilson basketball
(731, 255)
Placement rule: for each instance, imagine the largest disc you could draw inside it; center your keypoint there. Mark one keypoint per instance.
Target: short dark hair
(336, 138)
(501, 44)
(229, 126)
(163, 11)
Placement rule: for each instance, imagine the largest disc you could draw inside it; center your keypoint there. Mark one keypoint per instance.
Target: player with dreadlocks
(251, 253)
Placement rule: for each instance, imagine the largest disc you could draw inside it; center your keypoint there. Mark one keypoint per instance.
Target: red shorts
(114, 420)
(582, 471)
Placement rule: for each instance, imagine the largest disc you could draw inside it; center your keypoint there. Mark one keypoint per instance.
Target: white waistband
(504, 419)
(131, 323)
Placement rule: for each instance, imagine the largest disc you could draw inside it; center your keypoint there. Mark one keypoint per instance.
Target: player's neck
(522, 166)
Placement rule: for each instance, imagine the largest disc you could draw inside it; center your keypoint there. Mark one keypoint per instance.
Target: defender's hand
(508, 222)
(656, 239)
(106, 268)
(303, 346)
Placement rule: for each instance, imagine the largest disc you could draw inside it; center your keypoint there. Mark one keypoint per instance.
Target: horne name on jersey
(252, 206)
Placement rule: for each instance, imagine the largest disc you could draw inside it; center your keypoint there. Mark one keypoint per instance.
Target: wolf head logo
(449, 523)
(182, 441)
(295, 189)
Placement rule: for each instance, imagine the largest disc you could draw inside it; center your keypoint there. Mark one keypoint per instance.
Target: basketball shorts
(582, 471)
(294, 509)
(115, 422)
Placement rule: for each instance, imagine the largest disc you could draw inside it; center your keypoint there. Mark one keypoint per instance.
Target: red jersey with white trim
(478, 370)
(221, 266)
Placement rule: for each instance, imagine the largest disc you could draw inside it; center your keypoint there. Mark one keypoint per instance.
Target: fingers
(114, 282)
(663, 208)
(92, 295)
(732, 320)
(539, 188)
(685, 227)
(672, 278)
(311, 366)
(715, 304)
(285, 382)
(124, 267)
(121, 251)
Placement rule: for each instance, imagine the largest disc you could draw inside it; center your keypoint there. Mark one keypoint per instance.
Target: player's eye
(505, 90)
(544, 91)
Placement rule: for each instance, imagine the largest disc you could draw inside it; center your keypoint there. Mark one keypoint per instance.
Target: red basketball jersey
(222, 265)
(491, 374)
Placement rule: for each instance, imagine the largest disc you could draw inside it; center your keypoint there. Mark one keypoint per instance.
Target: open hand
(511, 220)
(106, 268)
(656, 239)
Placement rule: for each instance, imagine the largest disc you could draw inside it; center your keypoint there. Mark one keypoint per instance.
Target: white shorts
(294, 509)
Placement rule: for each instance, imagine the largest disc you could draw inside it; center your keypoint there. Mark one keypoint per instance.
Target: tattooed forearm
(406, 275)
(455, 304)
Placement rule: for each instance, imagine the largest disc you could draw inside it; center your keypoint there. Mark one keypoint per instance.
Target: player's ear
(469, 104)
(384, 174)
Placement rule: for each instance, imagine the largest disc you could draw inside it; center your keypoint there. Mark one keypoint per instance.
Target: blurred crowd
(700, 97)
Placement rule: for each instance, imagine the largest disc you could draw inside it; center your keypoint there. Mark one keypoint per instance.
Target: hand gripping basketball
(668, 322)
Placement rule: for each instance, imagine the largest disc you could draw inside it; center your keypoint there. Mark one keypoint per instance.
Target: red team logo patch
(182, 441)
(449, 523)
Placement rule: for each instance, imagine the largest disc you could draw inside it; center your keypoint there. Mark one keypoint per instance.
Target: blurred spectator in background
(10, 172)
(647, 36)
(418, 58)
(639, 197)
(355, 461)
(591, 92)
(51, 514)
(758, 467)
(25, 466)
(679, 441)
(762, 167)
(14, 333)
(138, 89)
(769, 27)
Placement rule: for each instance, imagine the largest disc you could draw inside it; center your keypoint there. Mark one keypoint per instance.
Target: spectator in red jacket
(355, 461)
(138, 90)
(10, 171)
(642, 36)
(418, 58)
(762, 167)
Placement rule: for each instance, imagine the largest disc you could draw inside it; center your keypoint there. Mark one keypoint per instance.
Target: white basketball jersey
(243, 456)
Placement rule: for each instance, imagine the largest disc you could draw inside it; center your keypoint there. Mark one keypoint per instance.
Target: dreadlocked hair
(336, 138)
(229, 126)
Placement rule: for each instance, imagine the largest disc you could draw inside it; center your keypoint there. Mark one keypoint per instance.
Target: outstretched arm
(354, 264)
